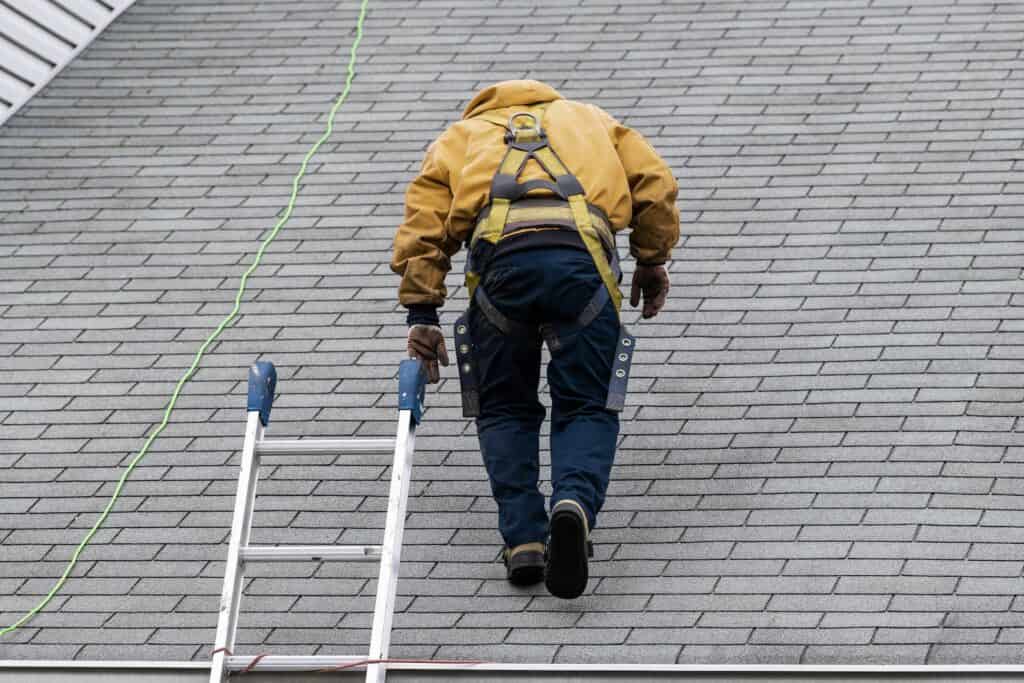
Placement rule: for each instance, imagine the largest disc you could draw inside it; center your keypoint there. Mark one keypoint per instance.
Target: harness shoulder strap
(525, 143)
(581, 216)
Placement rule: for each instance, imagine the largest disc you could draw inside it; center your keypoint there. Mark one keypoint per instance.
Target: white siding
(38, 38)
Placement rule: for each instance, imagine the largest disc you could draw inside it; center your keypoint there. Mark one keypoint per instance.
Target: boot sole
(565, 573)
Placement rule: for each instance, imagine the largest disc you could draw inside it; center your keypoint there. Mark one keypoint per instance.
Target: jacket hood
(510, 94)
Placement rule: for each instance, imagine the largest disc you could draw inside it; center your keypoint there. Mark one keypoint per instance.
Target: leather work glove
(653, 282)
(426, 342)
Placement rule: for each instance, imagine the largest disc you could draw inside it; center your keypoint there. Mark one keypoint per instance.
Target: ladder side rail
(391, 549)
(241, 526)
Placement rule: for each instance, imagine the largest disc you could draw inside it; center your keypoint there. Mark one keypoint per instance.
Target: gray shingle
(820, 423)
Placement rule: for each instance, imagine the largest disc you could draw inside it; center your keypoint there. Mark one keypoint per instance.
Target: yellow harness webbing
(524, 144)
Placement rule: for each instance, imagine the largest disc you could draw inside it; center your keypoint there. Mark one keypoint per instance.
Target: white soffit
(38, 38)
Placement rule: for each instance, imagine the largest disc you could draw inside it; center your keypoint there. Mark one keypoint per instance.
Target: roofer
(542, 267)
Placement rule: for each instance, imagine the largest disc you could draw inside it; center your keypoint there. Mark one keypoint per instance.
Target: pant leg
(583, 433)
(508, 374)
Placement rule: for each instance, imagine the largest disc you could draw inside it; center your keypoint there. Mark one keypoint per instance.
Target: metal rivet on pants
(620, 373)
(626, 342)
(623, 357)
(466, 367)
(464, 348)
(462, 329)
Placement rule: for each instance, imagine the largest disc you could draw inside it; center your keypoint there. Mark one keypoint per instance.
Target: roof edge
(36, 671)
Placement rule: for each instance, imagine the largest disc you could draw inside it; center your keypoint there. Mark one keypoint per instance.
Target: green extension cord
(213, 336)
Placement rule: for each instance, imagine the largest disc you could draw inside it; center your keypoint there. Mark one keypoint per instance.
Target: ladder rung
(290, 663)
(309, 552)
(315, 446)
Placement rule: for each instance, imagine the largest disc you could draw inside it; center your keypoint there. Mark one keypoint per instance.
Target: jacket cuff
(422, 314)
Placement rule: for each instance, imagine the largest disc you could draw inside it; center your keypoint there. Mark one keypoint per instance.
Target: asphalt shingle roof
(822, 454)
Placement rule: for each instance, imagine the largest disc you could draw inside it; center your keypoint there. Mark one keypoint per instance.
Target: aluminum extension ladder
(262, 380)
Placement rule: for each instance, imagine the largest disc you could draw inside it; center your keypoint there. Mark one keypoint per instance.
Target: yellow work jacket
(620, 171)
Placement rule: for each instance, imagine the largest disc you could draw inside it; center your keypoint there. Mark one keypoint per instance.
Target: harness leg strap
(464, 347)
(620, 370)
(467, 367)
(617, 383)
(505, 325)
(624, 347)
(553, 332)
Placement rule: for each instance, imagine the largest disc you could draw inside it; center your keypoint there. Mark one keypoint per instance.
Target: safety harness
(511, 212)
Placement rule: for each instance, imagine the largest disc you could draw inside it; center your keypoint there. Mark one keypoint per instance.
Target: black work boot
(565, 573)
(524, 563)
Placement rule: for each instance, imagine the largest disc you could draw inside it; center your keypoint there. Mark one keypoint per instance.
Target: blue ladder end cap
(412, 387)
(262, 380)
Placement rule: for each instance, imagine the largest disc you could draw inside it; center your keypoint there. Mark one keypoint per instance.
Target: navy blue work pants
(535, 286)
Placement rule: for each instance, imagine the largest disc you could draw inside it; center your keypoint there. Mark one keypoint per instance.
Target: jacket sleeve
(422, 248)
(655, 224)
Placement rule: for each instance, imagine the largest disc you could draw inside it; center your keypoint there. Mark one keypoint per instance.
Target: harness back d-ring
(514, 130)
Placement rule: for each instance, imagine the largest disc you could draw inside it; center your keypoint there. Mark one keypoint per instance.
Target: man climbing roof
(536, 186)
